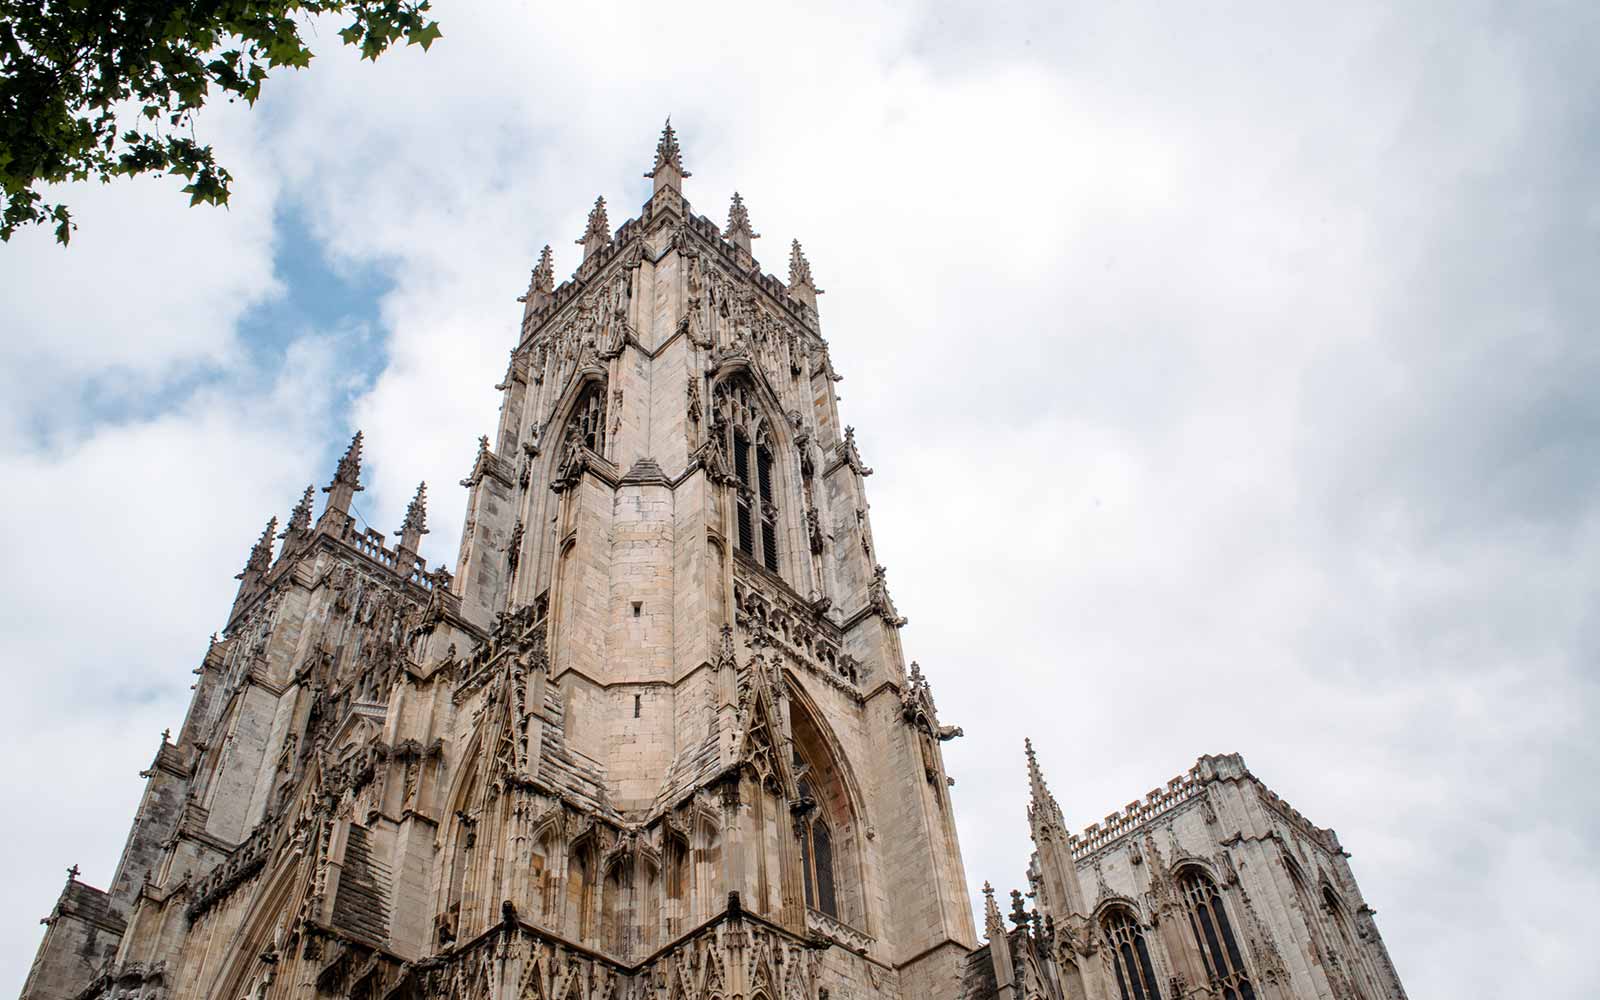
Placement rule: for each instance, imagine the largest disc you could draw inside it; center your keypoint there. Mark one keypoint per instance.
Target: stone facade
(655, 737)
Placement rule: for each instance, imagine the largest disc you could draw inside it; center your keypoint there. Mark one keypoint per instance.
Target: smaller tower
(346, 484)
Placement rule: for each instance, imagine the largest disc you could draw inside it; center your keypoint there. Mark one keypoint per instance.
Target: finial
(72, 874)
(166, 736)
(261, 552)
(543, 279)
(668, 155)
(739, 230)
(1019, 909)
(300, 517)
(598, 232)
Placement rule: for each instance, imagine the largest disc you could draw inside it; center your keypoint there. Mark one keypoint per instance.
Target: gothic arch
(1214, 931)
(1129, 951)
(278, 896)
(743, 402)
(460, 842)
(831, 834)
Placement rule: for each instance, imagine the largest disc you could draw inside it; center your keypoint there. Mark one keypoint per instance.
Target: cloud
(1226, 373)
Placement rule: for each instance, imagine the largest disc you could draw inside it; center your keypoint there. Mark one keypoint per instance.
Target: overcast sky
(1229, 373)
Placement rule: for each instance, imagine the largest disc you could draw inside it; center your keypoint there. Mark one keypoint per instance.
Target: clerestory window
(1213, 935)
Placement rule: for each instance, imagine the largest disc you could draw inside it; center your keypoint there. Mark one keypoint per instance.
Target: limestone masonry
(655, 738)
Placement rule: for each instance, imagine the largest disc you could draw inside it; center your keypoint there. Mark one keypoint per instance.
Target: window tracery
(1130, 955)
(1213, 936)
(588, 424)
(748, 439)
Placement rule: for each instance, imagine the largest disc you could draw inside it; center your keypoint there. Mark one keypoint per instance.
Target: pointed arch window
(588, 425)
(753, 466)
(1213, 936)
(1130, 953)
(816, 855)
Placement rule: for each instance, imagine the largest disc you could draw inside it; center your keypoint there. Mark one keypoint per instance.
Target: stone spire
(416, 524)
(668, 170)
(801, 285)
(1059, 891)
(540, 284)
(598, 234)
(299, 519)
(739, 230)
(346, 481)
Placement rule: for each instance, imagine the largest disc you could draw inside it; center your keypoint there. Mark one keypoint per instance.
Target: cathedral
(654, 736)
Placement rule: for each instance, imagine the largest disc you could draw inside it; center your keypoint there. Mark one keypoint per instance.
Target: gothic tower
(654, 738)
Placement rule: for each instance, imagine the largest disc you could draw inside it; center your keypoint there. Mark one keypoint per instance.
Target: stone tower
(654, 738)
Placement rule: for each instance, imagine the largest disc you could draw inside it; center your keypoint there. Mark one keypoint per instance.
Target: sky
(1228, 372)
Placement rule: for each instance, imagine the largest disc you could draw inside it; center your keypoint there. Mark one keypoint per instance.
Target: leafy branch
(109, 88)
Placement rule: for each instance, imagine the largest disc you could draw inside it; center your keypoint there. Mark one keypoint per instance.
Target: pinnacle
(543, 277)
(349, 471)
(1039, 792)
(260, 559)
(599, 228)
(300, 517)
(417, 513)
(667, 152)
(800, 269)
(739, 219)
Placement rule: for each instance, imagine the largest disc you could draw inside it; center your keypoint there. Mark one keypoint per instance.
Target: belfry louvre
(654, 738)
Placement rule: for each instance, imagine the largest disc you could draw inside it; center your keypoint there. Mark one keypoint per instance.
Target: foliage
(107, 88)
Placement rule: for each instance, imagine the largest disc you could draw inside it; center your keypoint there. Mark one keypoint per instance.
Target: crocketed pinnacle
(599, 227)
(261, 552)
(300, 517)
(416, 522)
(349, 471)
(667, 152)
(1042, 805)
(994, 925)
(800, 269)
(739, 220)
(543, 278)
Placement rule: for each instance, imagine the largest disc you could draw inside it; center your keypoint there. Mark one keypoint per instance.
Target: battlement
(1156, 802)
